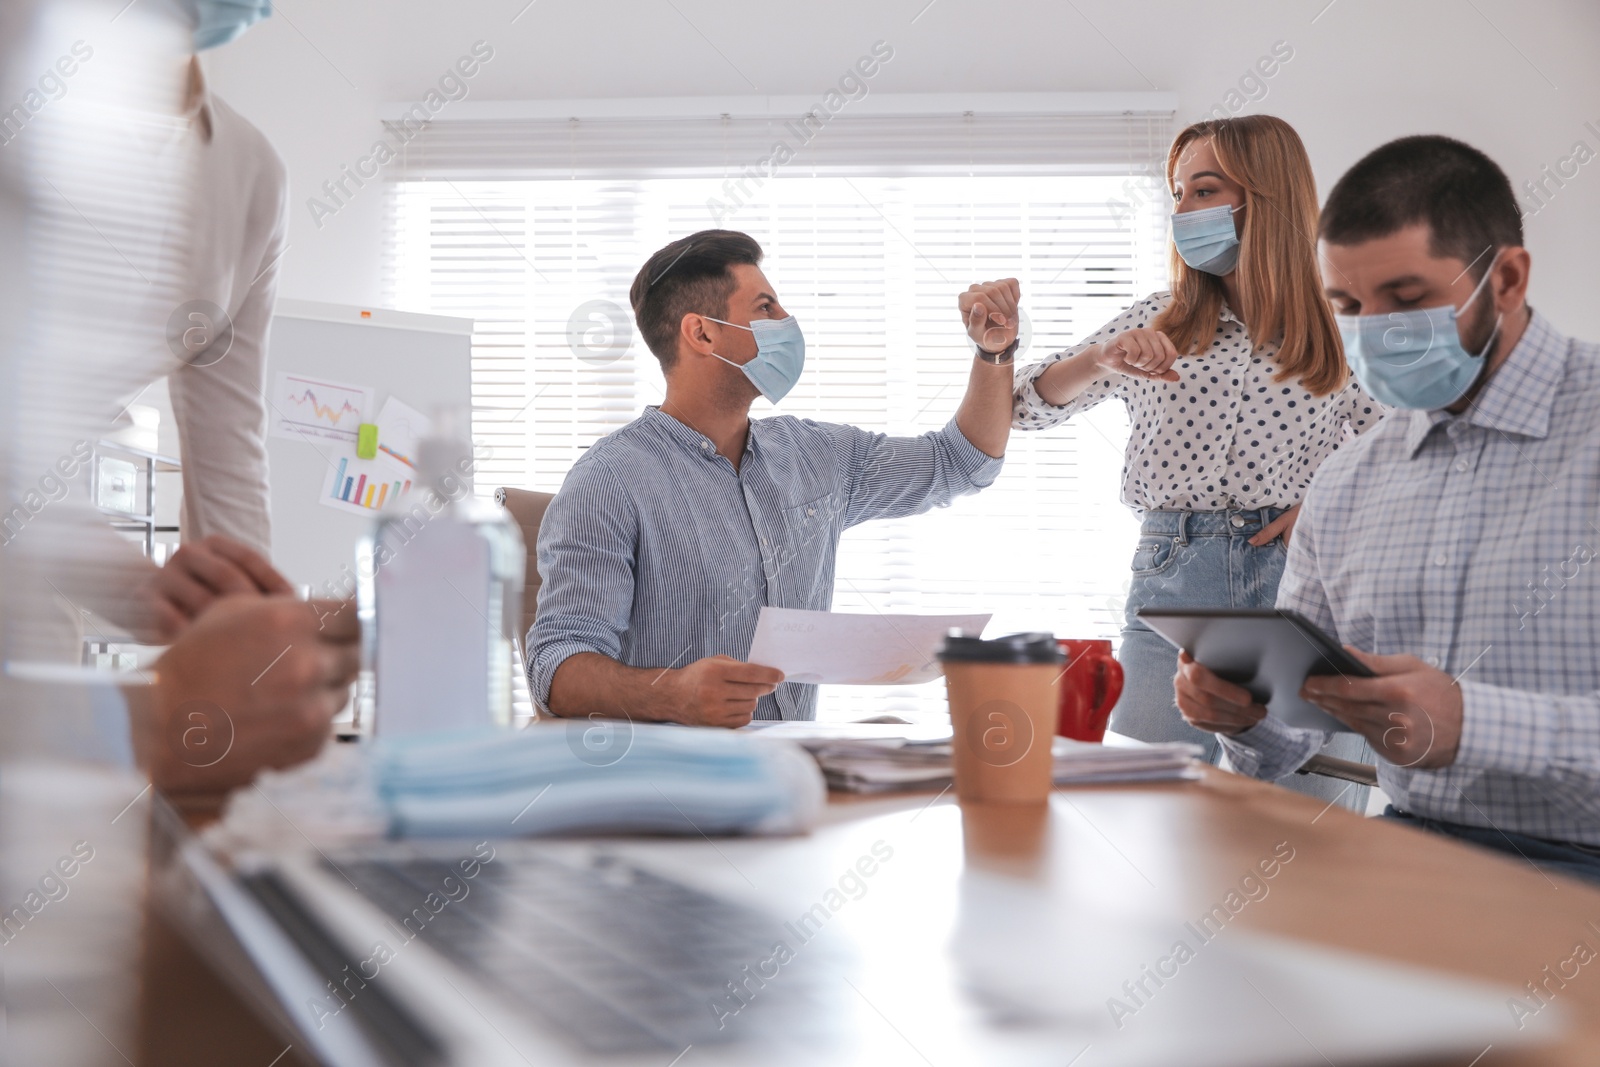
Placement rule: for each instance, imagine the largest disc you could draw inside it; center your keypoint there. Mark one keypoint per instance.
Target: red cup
(1090, 686)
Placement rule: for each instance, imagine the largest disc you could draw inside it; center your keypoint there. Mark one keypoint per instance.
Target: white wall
(1518, 78)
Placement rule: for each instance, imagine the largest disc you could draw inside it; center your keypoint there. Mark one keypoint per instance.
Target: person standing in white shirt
(240, 221)
(254, 681)
(222, 244)
(1236, 387)
(217, 339)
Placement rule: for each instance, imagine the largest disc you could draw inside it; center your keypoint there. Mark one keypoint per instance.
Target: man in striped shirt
(669, 535)
(1455, 543)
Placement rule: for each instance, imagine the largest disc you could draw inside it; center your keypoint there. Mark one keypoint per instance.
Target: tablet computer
(1267, 651)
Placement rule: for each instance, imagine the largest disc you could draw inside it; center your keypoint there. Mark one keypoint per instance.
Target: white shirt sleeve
(220, 403)
(1030, 411)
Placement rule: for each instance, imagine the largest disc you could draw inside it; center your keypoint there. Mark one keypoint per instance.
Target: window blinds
(1081, 143)
(871, 265)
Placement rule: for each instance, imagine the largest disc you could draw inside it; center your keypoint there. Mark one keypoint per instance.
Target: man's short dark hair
(1459, 193)
(689, 276)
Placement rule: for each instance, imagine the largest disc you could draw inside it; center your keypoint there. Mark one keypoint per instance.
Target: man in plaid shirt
(1453, 547)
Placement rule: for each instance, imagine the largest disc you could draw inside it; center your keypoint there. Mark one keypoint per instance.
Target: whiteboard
(425, 360)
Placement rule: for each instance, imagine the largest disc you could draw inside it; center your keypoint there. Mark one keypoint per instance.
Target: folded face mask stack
(595, 777)
(575, 777)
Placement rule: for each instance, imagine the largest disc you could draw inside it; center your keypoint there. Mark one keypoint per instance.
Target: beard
(735, 389)
(1476, 337)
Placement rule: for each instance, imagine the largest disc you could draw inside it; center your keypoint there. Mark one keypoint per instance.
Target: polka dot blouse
(1224, 436)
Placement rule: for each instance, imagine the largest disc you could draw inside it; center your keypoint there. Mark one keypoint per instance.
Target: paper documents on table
(840, 649)
(812, 735)
(876, 766)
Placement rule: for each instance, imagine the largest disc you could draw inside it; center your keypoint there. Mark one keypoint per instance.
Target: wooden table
(1355, 883)
(1152, 850)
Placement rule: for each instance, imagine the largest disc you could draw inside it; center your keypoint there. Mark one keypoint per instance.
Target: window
(871, 266)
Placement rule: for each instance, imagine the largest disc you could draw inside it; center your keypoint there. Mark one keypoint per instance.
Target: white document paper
(809, 734)
(401, 429)
(839, 649)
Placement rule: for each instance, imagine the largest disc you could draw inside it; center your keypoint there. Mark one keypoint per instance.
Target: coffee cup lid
(1012, 648)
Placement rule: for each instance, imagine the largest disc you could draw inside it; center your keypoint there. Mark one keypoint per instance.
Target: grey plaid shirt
(1471, 541)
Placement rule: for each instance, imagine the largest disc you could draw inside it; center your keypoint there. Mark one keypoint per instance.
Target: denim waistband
(1243, 522)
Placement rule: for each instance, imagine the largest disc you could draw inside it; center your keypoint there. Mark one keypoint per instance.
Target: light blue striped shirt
(1471, 541)
(656, 552)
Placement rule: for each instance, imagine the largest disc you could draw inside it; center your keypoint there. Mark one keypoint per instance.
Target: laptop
(838, 948)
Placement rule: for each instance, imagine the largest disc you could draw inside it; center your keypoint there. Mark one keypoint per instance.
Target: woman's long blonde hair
(1277, 272)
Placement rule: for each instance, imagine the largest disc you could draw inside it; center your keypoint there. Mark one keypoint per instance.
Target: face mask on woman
(219, 21)
(1206, 238)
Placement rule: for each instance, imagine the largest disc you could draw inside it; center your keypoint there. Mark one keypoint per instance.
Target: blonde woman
(1236, 389)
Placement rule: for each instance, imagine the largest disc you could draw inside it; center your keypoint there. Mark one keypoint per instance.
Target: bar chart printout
(359, 485)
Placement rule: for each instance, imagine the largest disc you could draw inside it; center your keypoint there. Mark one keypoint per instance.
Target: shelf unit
(124, 655)
(146, 466)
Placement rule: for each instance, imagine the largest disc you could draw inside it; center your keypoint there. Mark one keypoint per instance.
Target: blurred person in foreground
(213, 348)
(96, 241)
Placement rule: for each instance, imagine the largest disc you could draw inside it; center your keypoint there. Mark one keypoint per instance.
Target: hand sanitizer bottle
(440, 587)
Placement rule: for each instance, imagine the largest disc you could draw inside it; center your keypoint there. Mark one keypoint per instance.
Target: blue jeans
(1579, 861)
(1204, 559)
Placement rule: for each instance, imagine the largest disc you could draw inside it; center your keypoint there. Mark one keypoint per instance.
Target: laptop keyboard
(618, 958)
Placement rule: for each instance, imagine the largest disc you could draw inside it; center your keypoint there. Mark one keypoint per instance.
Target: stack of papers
(811, 735)
(883, 766)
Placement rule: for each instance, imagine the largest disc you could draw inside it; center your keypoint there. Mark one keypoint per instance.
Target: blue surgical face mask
(780, 355)
(1414, 359)
(219, 21)
(1206, 238)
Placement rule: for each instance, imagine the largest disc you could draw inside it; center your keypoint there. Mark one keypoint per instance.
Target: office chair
(528, 508)
(1342, 769)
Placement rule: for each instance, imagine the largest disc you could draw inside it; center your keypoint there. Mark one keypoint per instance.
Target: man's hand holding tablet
(1411, 713)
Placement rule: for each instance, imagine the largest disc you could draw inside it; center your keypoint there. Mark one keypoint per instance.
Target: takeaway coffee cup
(1003, 710)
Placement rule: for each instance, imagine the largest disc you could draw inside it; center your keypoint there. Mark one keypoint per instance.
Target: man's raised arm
(991, 312)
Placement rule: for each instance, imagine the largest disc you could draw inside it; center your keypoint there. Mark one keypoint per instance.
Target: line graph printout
(314, 409)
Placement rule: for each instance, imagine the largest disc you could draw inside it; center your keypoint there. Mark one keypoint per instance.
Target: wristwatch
(1005, 355)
